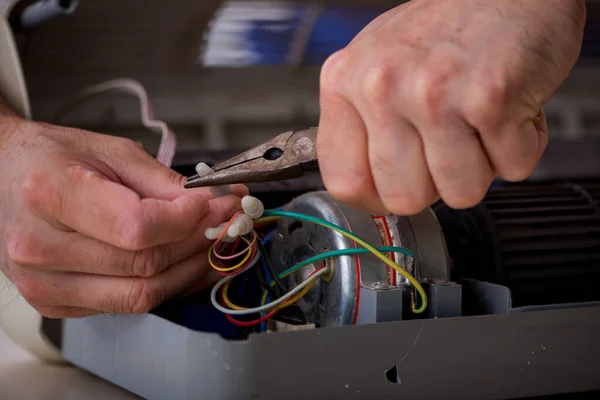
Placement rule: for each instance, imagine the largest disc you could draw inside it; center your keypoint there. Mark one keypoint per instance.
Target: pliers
(284, 157)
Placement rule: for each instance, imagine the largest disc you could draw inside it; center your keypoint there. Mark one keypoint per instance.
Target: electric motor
(347, 297)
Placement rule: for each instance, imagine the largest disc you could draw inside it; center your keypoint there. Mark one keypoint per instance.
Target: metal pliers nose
(283, 157)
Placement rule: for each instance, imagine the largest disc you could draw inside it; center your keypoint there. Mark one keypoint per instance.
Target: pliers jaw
(282, 157)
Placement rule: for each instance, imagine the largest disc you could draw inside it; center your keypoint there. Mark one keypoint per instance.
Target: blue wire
(268, 237)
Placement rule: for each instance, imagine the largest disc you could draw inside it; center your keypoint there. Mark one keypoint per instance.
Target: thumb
(140, 172)
(143, 174)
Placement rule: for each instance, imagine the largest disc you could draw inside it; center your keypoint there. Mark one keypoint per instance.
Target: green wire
(367, 249)
(308, 218)
(342, 252)
(330, 254)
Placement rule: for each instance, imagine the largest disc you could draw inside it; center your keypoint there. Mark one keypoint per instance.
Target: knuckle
(133, 233)
(333, 71)
(430, 87)
(377, 84)
(148, 263)
(24, 248)
(144, 295)
(35, 190)
(78, 174)
(485, 102)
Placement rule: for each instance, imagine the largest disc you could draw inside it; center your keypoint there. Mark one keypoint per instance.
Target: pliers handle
(283, 157)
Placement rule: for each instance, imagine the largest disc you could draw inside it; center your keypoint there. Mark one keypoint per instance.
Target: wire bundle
(275, 296)
(243, 261)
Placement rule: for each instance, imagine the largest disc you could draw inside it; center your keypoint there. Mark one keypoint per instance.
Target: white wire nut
(226, 237)
(253, 207)
(202, 169)
(214, 233)
(242, 225)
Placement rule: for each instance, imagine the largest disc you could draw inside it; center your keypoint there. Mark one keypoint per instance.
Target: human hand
(93, 224)
(435, 98)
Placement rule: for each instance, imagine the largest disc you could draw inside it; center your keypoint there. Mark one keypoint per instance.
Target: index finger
(89, 203)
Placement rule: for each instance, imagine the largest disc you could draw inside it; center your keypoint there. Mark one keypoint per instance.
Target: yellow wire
(291, 301)
(239, 265)
(392, 264)
(383, 258)
(265, 220)
(265, 294)
(358, 240)
(296, 297)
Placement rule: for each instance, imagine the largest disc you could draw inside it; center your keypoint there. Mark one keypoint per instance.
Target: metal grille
(549, 238)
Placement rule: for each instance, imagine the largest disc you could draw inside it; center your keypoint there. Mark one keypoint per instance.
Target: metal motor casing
(337, 302)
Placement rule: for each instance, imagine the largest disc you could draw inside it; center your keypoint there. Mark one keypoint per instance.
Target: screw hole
(392, 375)
(294, 226)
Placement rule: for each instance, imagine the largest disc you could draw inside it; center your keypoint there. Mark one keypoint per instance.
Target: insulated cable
(235, 267)
(366, 245)
(238, 254)
(331, 254)
(283, 299)
(168, 142)
(268, 264)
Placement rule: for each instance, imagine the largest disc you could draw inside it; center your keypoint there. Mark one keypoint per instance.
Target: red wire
(234, 247)
(254, 322)
(246, 324)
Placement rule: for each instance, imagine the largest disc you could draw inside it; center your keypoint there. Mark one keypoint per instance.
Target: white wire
(168, 144)
(266, 307)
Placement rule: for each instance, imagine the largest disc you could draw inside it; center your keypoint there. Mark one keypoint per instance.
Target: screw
(380, 285)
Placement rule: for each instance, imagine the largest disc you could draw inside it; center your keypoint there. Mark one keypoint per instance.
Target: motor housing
(339, 301)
